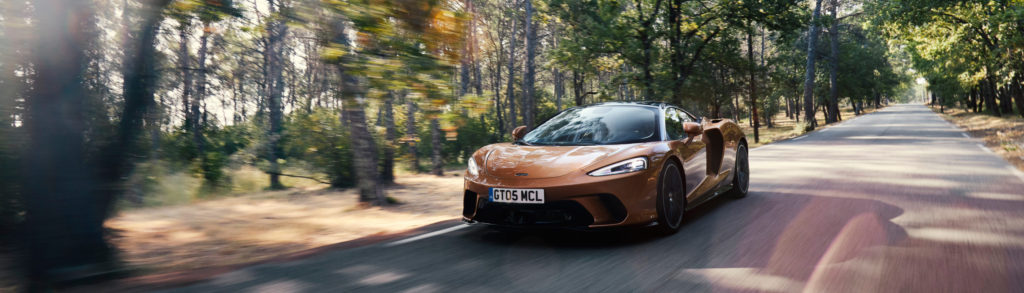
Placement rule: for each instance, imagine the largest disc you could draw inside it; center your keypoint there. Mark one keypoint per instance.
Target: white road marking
(823, 130)
(1020, 175)
(965, 135)
(427, 235)
(984, 148)
(799, 138)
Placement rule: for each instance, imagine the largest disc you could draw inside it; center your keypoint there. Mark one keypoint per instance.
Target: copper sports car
(607, 165)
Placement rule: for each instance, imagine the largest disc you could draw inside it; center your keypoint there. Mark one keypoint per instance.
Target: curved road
(894, 201)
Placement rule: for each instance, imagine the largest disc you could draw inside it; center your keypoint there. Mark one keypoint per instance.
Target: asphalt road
(894, 201)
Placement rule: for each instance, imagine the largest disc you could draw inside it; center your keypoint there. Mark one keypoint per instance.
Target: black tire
(741, 173)
(671, 198)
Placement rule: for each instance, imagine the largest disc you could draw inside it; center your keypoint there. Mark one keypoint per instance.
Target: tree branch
(298, 176)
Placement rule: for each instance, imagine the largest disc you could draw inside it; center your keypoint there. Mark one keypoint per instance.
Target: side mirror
(692, 129)
(519, 133)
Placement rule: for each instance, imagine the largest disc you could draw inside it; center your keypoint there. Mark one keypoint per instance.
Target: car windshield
(597, 125)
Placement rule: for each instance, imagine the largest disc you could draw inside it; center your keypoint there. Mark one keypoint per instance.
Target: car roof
(633, 103)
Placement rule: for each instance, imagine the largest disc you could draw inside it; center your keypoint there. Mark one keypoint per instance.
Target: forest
(102, 101)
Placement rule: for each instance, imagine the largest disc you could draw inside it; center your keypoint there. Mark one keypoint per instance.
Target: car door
(691, 150)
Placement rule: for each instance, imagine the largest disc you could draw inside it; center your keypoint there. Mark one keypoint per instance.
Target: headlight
(472, 168)
(627, 166)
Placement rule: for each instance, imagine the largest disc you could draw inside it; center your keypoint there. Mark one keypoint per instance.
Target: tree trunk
(387, 171)
(197, 131)
(275, 82)
(499, 110)
(559, 81)
(577, 87)
(364, 151)
(410, 131)
(1005, 100)
(65, 227)
(529, 103)
(990, 96)
(435, 145)
(186, 75)
(66, 201)
(1017, 90)
(509, 94)
(833, 74)
(753, 82)
(972, 101)
(812, 43)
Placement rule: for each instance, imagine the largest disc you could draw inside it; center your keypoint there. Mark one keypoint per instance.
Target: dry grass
(784, 128)
(267, 224)
(1004, 135)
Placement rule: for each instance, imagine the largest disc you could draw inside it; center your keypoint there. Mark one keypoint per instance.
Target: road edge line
(427, 235)
(985, 149)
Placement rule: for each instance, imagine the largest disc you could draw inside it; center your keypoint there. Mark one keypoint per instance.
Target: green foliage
(957, 45)
(322, 140)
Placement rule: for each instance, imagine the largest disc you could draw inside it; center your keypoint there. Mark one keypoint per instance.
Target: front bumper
(572, 201)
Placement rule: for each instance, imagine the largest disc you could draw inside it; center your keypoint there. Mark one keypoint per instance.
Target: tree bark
(387, 171)
(812, 43)
(197, 130)
(509, 94)
(184, 59)
(529, 75)
(1005, 100)
(1017, 90)
(833, 75)
(364, 151)
(435, 145)
(990, 95)
(66, 199)
(577, 87)
(410, 131)
(753, 82)
(64, 222)
(275, 82)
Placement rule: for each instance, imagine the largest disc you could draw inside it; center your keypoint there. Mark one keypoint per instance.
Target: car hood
(509, 160)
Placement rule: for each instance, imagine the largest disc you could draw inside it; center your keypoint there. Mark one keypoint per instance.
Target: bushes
(320, 139)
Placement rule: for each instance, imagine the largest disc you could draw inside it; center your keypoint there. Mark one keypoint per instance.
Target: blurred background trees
(167, 102)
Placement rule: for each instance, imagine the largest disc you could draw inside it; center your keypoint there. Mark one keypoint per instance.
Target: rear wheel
(671, 198)
(741, 173)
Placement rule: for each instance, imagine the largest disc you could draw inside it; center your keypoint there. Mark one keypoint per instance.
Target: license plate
(513, 195)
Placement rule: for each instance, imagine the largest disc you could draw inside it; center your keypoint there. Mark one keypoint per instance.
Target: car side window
(674, 124)
(687, 117)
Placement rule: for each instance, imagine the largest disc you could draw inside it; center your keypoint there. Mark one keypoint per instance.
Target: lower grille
(557, 213)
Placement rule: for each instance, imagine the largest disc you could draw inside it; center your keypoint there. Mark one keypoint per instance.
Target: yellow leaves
(331, 53)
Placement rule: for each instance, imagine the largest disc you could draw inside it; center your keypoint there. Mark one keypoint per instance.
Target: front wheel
(741, 173)
(671, 198)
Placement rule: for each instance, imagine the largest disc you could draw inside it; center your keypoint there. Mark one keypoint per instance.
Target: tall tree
(387, 171)
(812, 54)
(411, 134)
(276, 32)
(510, 88)
(833, 72)
(529, 70)
(437, 163)
(68, 196)
(755, 119)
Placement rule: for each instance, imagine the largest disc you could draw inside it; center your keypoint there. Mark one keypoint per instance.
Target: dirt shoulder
(1003, 135)
(265, 225)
